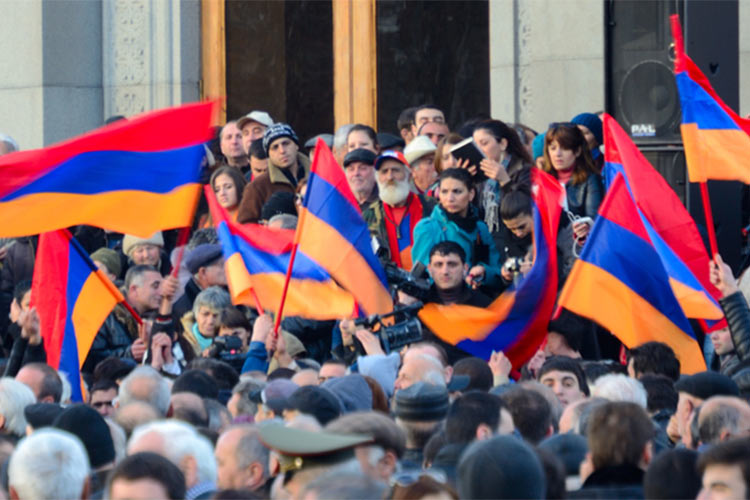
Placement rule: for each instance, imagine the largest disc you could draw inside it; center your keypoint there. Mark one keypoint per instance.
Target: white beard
(394, 195)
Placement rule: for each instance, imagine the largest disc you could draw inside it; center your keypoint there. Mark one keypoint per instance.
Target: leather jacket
(584, 198)
(737, 313)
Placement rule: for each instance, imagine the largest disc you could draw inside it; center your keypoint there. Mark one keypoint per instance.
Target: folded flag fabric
(619, 281)
(72, 298)
(135, 176)
(516, 322)
(670, 227)
(716, 139)
(332, 232)
(256, 262)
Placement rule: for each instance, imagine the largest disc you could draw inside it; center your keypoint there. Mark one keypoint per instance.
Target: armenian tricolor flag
(332, 232)
(72, 298)
(619, 281)
(135, 176)
(256, 262)
(516, 322)
(670, 227)
(716, 139)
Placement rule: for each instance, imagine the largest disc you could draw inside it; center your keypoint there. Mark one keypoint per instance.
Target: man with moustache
(394, 215)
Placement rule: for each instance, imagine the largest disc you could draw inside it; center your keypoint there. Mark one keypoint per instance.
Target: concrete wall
(546, 67)
(21, 91)
(66, 65)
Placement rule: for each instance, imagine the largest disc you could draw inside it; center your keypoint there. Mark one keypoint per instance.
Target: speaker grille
(649, 101)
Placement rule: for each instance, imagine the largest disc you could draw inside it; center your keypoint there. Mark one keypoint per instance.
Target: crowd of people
(189, 396)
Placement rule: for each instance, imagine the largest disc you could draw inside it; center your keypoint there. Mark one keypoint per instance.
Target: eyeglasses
(102, 404)
(407, 478)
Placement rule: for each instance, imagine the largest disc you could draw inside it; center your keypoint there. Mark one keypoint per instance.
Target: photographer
(518, 236)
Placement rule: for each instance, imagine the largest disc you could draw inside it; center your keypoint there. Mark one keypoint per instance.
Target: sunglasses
(408, 478)
(555, 125)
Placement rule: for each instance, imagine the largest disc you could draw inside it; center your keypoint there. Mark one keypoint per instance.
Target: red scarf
(400, 236)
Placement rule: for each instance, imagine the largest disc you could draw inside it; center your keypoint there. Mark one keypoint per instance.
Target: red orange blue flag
(671, 229)
(135, 176)
(716, 139)
(72, 298)
(332, 232)
(516, 322)
(256, 262)
(619, 281)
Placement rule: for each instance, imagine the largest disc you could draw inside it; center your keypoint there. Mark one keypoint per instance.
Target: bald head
(135, 414)
(418, 367)
(722, 418)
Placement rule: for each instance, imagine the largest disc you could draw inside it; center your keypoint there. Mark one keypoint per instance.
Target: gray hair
(244, 388)
(119, 438)
(721, 413)
(345, 481)
(153, 389)
(287, 221)
(218, 414)
(619, 387)
(12, 144)
(250, 449)
(181, 440)
(214, 298)
(433, 375)
(67, 390)
(49, 464)
(342, 133)
(14, 397)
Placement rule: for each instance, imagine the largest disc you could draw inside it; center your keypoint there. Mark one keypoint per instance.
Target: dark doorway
(280, 60)
(433, 52)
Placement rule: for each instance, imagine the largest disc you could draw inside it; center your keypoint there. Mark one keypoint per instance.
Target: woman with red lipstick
(567, 158)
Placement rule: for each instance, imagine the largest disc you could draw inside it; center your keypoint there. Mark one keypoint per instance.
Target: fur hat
(129, 242)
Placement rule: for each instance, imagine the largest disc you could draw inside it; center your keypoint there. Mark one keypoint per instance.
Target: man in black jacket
(448, 269)
(731, 339)
(620, 449)
(146, 292)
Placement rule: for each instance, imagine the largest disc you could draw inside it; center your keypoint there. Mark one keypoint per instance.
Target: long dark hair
(500, 131)
(569, 136)
(235, 174)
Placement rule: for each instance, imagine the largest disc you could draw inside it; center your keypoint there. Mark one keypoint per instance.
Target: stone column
(151, 54)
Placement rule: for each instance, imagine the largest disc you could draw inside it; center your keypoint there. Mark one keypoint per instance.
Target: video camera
(407, 331)
(411, 283)
(228, 348)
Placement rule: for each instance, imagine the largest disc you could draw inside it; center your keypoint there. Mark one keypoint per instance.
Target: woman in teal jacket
(456, 219)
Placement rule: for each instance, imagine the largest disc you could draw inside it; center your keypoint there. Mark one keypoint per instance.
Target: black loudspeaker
(641, 94)
(639, 59)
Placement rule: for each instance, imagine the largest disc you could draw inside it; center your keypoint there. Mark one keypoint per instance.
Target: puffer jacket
(737, 365)
(478, 244)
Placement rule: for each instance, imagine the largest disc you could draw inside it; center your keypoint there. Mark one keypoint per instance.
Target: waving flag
(716, 139)
(256, 261)
(619, 282)
(516, 322)
(136, 176)
(72, 298)
(670, 227)
(332, 232)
